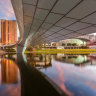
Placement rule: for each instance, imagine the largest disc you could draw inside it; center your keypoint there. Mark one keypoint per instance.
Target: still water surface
(74, 74)
(9, 78)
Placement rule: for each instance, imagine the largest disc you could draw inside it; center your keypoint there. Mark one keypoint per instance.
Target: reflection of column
(31, 78)
(50, 59)
(9, 71)
(91, 61)
(45, 60)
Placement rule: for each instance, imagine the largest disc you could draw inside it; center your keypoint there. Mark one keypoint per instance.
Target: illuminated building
(9, 71)
(8, 31)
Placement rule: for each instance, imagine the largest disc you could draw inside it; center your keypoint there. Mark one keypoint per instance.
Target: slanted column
(21, 47)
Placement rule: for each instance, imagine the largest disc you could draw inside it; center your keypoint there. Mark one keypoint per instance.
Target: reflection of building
(9, 71)
(8, 31)
(40, 61)
(73, 59)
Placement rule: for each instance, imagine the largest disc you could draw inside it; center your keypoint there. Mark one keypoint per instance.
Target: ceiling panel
(46, 4)
(26, 24)
(64, 32)
(63, 6)
(27, 19)
(40, 33)
(37, 22)
(28, 10)
(55, 35)
(34, 28)
(33, 2)
(51, 40)
(78, 26)
(73, 34)
(55, 29)
(85, 8)
(54, 40)
(41, 14)
(48, 38)
(41, 30)
(63, 37)
(40, 38)
(45, 35)
(50, 32)
(52, 18)
(46, 25)
(65, 22)
(27, 27)
(88, 30)
(90, 19)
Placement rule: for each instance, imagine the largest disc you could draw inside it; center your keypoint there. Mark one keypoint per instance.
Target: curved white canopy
(54, 20)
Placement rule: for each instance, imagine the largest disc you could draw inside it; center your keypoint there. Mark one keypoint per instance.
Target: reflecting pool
(74, 74)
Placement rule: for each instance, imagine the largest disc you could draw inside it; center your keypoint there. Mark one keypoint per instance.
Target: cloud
(62, 81)
(6, 10)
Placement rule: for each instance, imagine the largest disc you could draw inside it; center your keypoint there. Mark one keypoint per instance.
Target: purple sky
(6, 10)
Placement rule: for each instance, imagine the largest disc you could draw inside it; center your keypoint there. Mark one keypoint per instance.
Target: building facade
(8, 31)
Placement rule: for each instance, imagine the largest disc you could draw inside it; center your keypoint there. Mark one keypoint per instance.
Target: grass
(66, 51)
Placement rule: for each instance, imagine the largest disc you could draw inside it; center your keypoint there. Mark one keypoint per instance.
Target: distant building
(51, 45)
(8, 31)
(71, 44)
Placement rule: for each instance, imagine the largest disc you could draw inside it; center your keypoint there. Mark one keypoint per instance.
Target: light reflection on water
(9, 78)
(74, 74)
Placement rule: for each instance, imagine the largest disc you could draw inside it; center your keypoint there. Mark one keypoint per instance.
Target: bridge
(44, 21)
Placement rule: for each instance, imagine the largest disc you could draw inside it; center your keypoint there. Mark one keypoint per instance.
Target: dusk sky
(6, 10)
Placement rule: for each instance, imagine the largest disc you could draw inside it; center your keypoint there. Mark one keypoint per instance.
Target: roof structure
(84, 39)
(54, 20)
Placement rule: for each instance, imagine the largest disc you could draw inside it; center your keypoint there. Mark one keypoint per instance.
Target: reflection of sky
(10, 89)
(78, 81)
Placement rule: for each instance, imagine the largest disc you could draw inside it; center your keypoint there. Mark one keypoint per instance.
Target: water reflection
(77, 60)
(39, 61)
(74, 74)
(9, 78)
